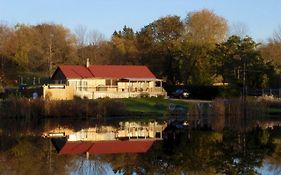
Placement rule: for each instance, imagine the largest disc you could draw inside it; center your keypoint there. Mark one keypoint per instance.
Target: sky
(261, 17)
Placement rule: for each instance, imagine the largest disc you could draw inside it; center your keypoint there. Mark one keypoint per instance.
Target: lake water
(72, 146)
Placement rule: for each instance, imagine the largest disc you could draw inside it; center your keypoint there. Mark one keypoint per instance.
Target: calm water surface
(123, 147)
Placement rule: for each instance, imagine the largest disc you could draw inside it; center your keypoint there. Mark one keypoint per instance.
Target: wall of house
(151, 84)
(58, 92)
(92, 85)
(96, 82)
(73, 83)
(86, 84)
(100, 88)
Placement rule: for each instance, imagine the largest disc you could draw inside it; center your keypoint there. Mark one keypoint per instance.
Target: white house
(114, 81)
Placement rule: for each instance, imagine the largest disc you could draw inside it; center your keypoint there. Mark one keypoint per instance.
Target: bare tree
(277, 35)
(95, 37)
(81, 34)
(271, 51)
(239, 29)
(86, 37)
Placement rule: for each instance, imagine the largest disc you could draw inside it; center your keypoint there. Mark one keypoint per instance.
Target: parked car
(180, 93)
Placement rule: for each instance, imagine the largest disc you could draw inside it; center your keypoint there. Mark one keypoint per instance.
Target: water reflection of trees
(90, 166)
(209, 152)
(242, 157)
(31, 155)
(200, 152)
(274, 160)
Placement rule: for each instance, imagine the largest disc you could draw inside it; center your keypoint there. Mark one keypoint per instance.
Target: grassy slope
(270, 109)
(155, 105)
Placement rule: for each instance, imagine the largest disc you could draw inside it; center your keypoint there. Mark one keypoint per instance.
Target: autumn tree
(271, 52)
(5, 72)
(40, 48)
(97, 53)
(58, 45)
(205, 27)
(203, 30)
(21, 44)
(158, 43)
(125, 50)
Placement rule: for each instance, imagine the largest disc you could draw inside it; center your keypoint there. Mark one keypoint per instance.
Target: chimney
(88, 62)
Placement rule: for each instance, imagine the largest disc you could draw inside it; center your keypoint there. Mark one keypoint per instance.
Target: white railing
(126, 93)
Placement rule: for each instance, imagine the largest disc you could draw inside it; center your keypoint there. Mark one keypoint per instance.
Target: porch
(116, 93)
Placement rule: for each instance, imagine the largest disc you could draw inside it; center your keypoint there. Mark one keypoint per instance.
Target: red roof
(75, 71)
(121, 71)
(106, 71)
(107, 147)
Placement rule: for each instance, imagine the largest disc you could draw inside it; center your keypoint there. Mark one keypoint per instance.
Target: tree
(58, 46)
(203, 30)
(239, 29)
(81, 35)
(158, 43)
(272, 50)
(5, 34)
(125, 50)
(95, 37)
(277, 35)
(23, 42)
(90, 45)
(97, 54)
(205, 27)
(85, 37)
(236, 55)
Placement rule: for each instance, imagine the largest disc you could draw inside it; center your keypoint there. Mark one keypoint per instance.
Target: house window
(80, 85)
(85, 85)
(114, 82)
(107, 82)
(77, 85)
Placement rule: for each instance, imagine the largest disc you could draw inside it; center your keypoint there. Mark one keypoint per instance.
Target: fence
(262, 92)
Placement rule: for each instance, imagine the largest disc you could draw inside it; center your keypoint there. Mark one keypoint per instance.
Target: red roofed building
(114, 81)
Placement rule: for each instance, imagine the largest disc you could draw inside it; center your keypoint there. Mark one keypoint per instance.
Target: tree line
(196, 50)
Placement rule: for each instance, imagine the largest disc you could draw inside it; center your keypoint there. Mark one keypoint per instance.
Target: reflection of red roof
(106, 71)
(106, 147)
(75, 147)
(120, 71)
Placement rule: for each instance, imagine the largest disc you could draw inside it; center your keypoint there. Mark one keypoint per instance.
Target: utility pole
(50, 55)
(244, 95)
(2, 71)
(244, 101)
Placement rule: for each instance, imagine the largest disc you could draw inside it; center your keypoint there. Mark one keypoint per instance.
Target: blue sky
(262, 17)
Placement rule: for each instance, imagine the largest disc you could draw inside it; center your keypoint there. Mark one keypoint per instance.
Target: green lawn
(153, 105)
(277, 110)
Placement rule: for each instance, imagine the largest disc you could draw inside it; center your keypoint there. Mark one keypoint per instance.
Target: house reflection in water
(130, 137)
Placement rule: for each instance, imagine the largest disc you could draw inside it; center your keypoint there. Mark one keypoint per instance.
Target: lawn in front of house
(152, 105)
